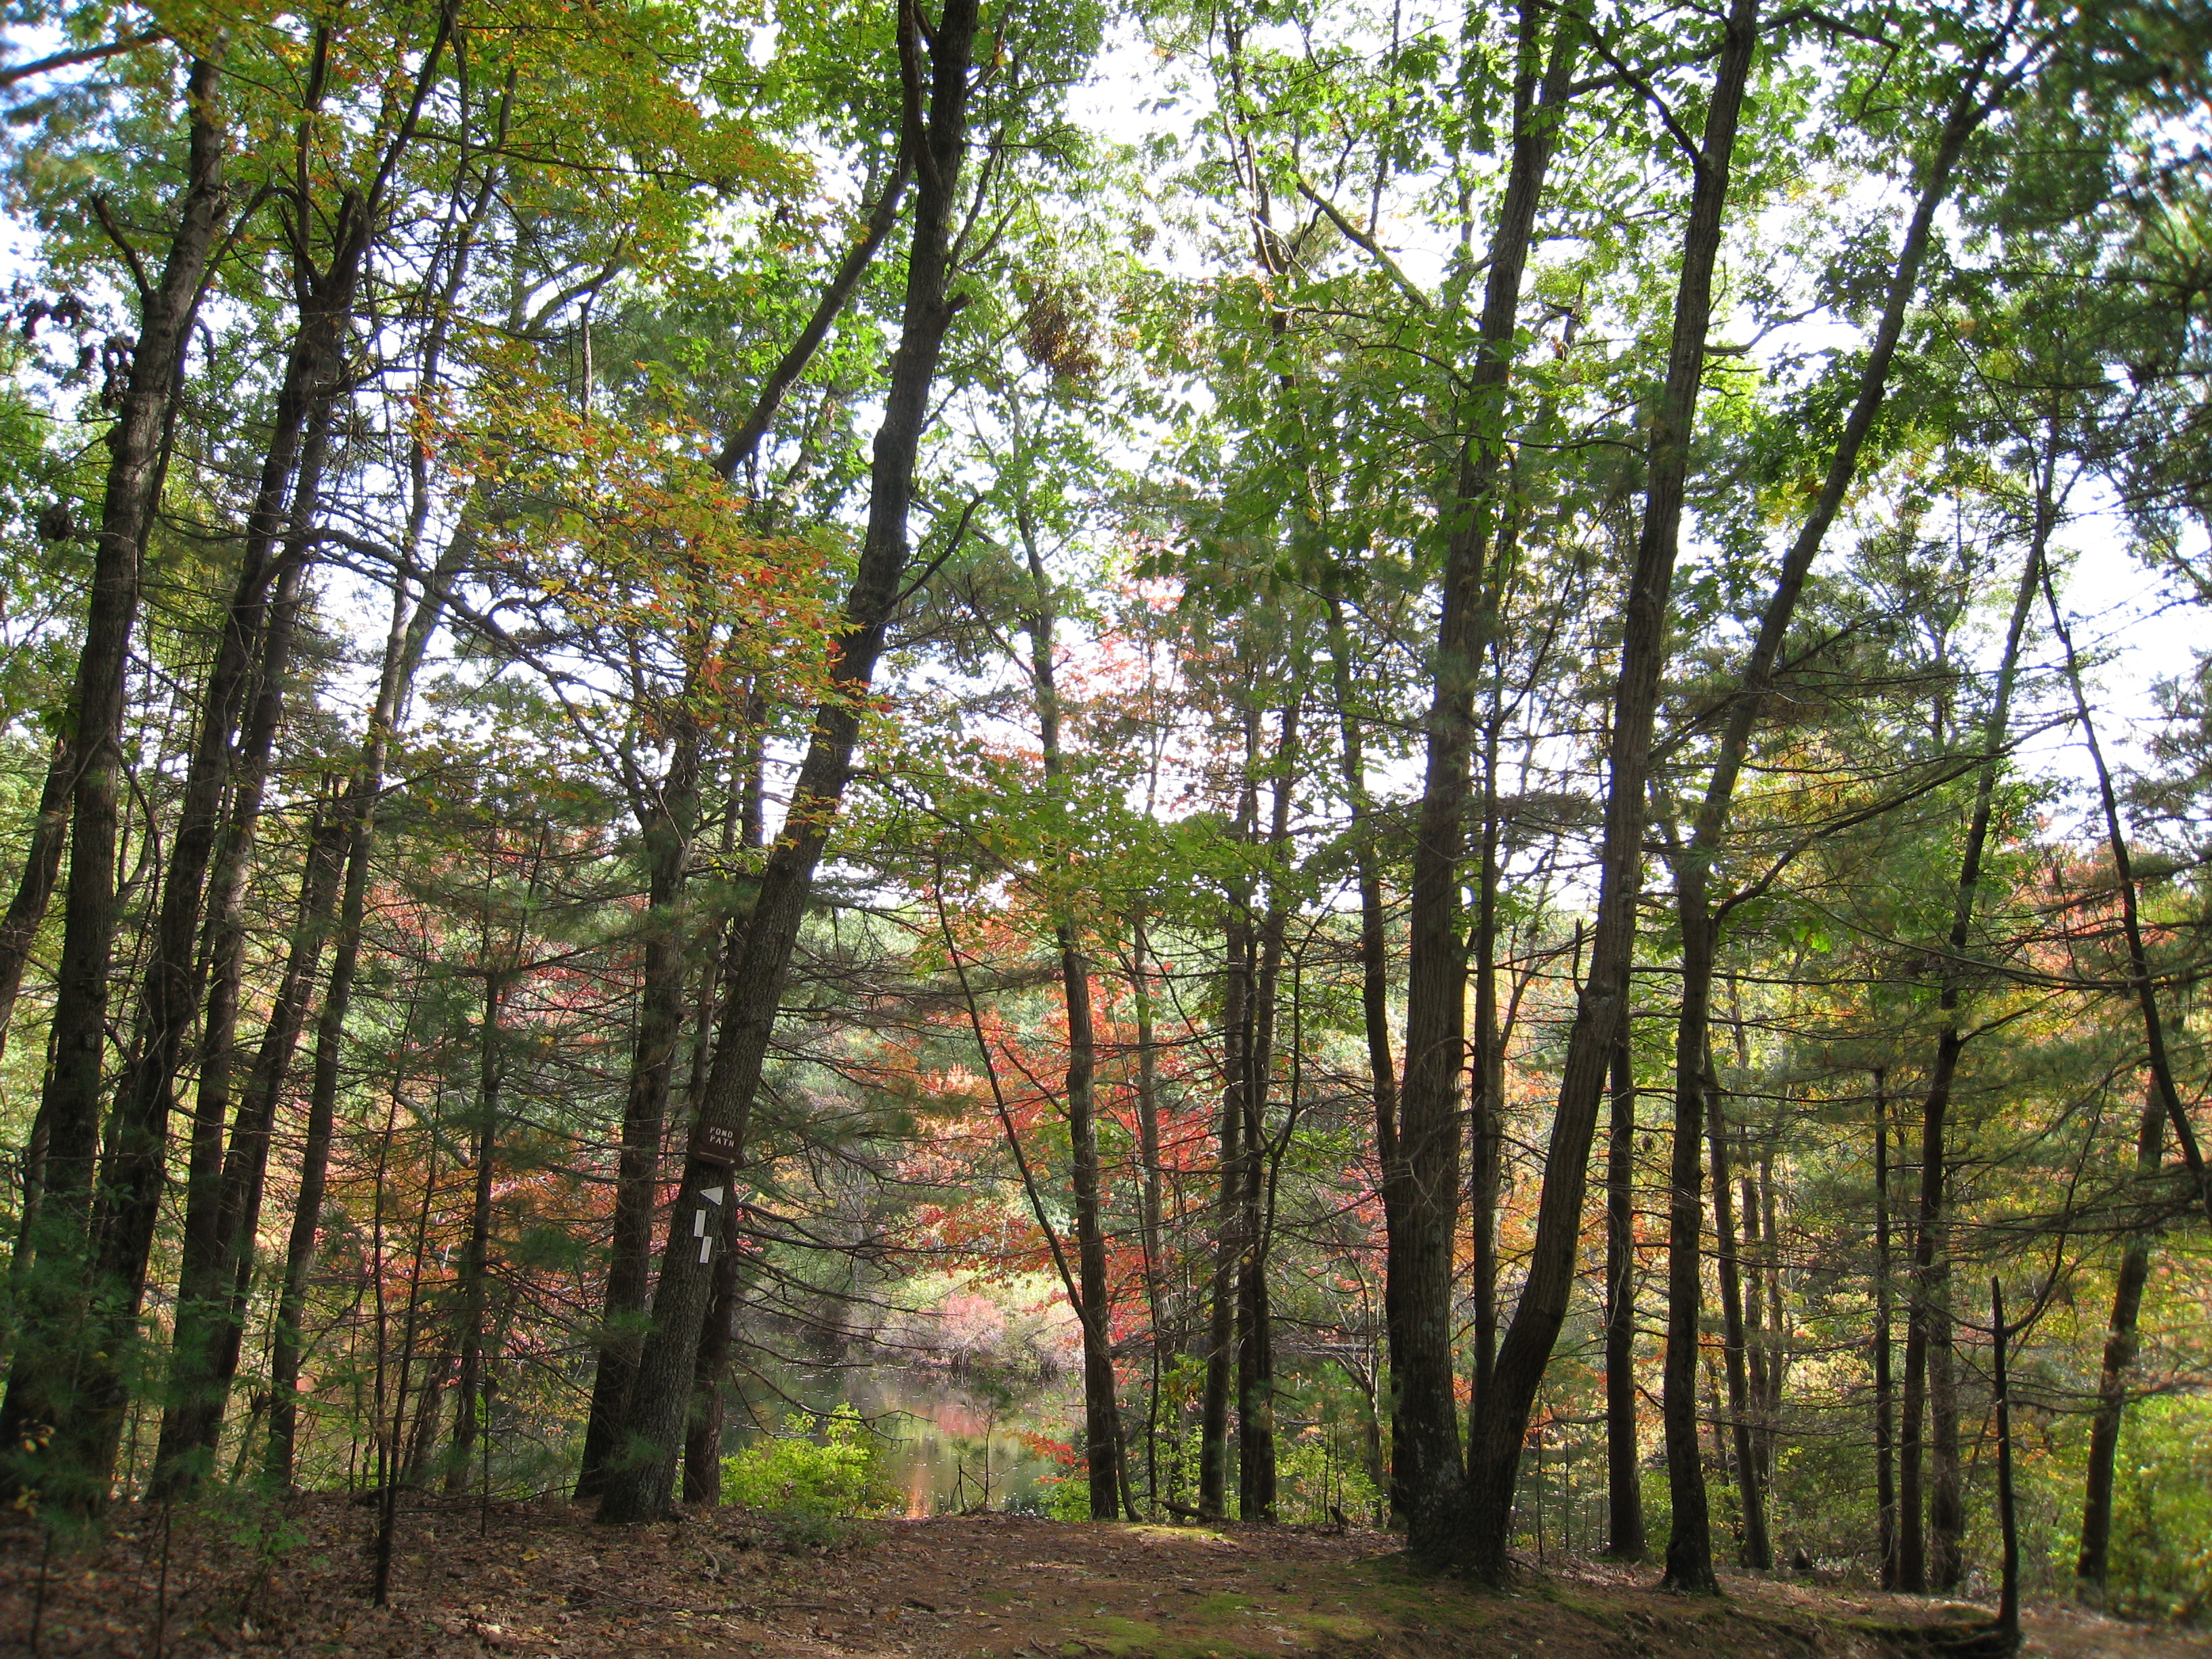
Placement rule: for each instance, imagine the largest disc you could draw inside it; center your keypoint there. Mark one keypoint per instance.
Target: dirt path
(543, 1580)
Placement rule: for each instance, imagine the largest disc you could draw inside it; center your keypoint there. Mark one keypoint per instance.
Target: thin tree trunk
(1151, 1220)
(407, 638)
(1255, 1391)
(43, 1380)
(1602, 1005)
(1374, 995)
(134, 1162)
(34, 888)
(1221, 1329)
(2089, 1568)
(1625, 1538)
(215, 1278)
(1935, 1561)
(661, 1396)
(476, 1256)
(2116, 842)
(1757, 1553)
(1885, 1427)
(1699, 921)
(1100, 1410)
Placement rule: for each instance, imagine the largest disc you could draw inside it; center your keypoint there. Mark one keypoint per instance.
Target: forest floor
(543, 1580)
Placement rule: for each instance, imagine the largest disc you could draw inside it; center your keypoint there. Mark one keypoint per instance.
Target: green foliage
(813, 1489)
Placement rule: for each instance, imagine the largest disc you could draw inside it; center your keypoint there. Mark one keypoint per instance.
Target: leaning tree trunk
(2119, 1361)
(1700, 918)
(661, 1396)
(34, 887)
(1923, 1562)
(1885, 1425)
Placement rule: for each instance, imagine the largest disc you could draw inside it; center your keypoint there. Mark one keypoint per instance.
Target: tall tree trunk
(1228, 1248)
(1757, 1553)
(1700, 918)
(1150, 1219)
(1884, 1426)
(2140, 979)
(1936, 1562)
(1102, 1424)
(1426, 1474)
(660, 1396)
(1625, 1538)
(1486, 1115)
(476, 1256)
(1255, 1371)
(665, 818)
(412, 624)
(44, 1382)
(1602, 1007)
(42, 865)
(135, 1158)
(1373, 993)
(2119, 1361)
(216, 1272)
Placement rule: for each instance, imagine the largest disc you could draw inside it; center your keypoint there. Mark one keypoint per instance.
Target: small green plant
(812, 1489)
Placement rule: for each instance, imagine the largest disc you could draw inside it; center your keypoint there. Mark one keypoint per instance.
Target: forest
(1373, 766)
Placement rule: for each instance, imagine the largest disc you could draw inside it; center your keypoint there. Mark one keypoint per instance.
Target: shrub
(812, 1485)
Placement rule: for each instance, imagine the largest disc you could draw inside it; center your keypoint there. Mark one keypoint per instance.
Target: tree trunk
(1700, 920)
(408, 636)
(1757, 1553)
(2120, 1362)
(1373, 994)
(1625, 1538)
(42, 865)
(1256, 1391)
(660, 1396)
(1427, 1477)
(667, 820)
(476, 1257)
(1602, 1008)
(217, 1273)
(54, 1311)
(1228, 1245)
(1151, 1220)
(1102, 1424)
(1885, 1427)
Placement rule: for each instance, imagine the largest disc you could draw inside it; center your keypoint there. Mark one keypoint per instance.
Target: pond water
(945, 1448)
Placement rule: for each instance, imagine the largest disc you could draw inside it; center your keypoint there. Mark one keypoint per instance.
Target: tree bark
(1625, 1538)
(665, 818)
(1601, 1007)
(1228, 1244)
(2119, 1361)
(1884, 1426)
(41, 1391)
(1758, 1553)
(476, 1256)
(661, 1396)
(1427, 1478)
(34, 888)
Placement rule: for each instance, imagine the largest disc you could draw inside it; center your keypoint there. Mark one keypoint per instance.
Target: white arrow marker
(712, 1194)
